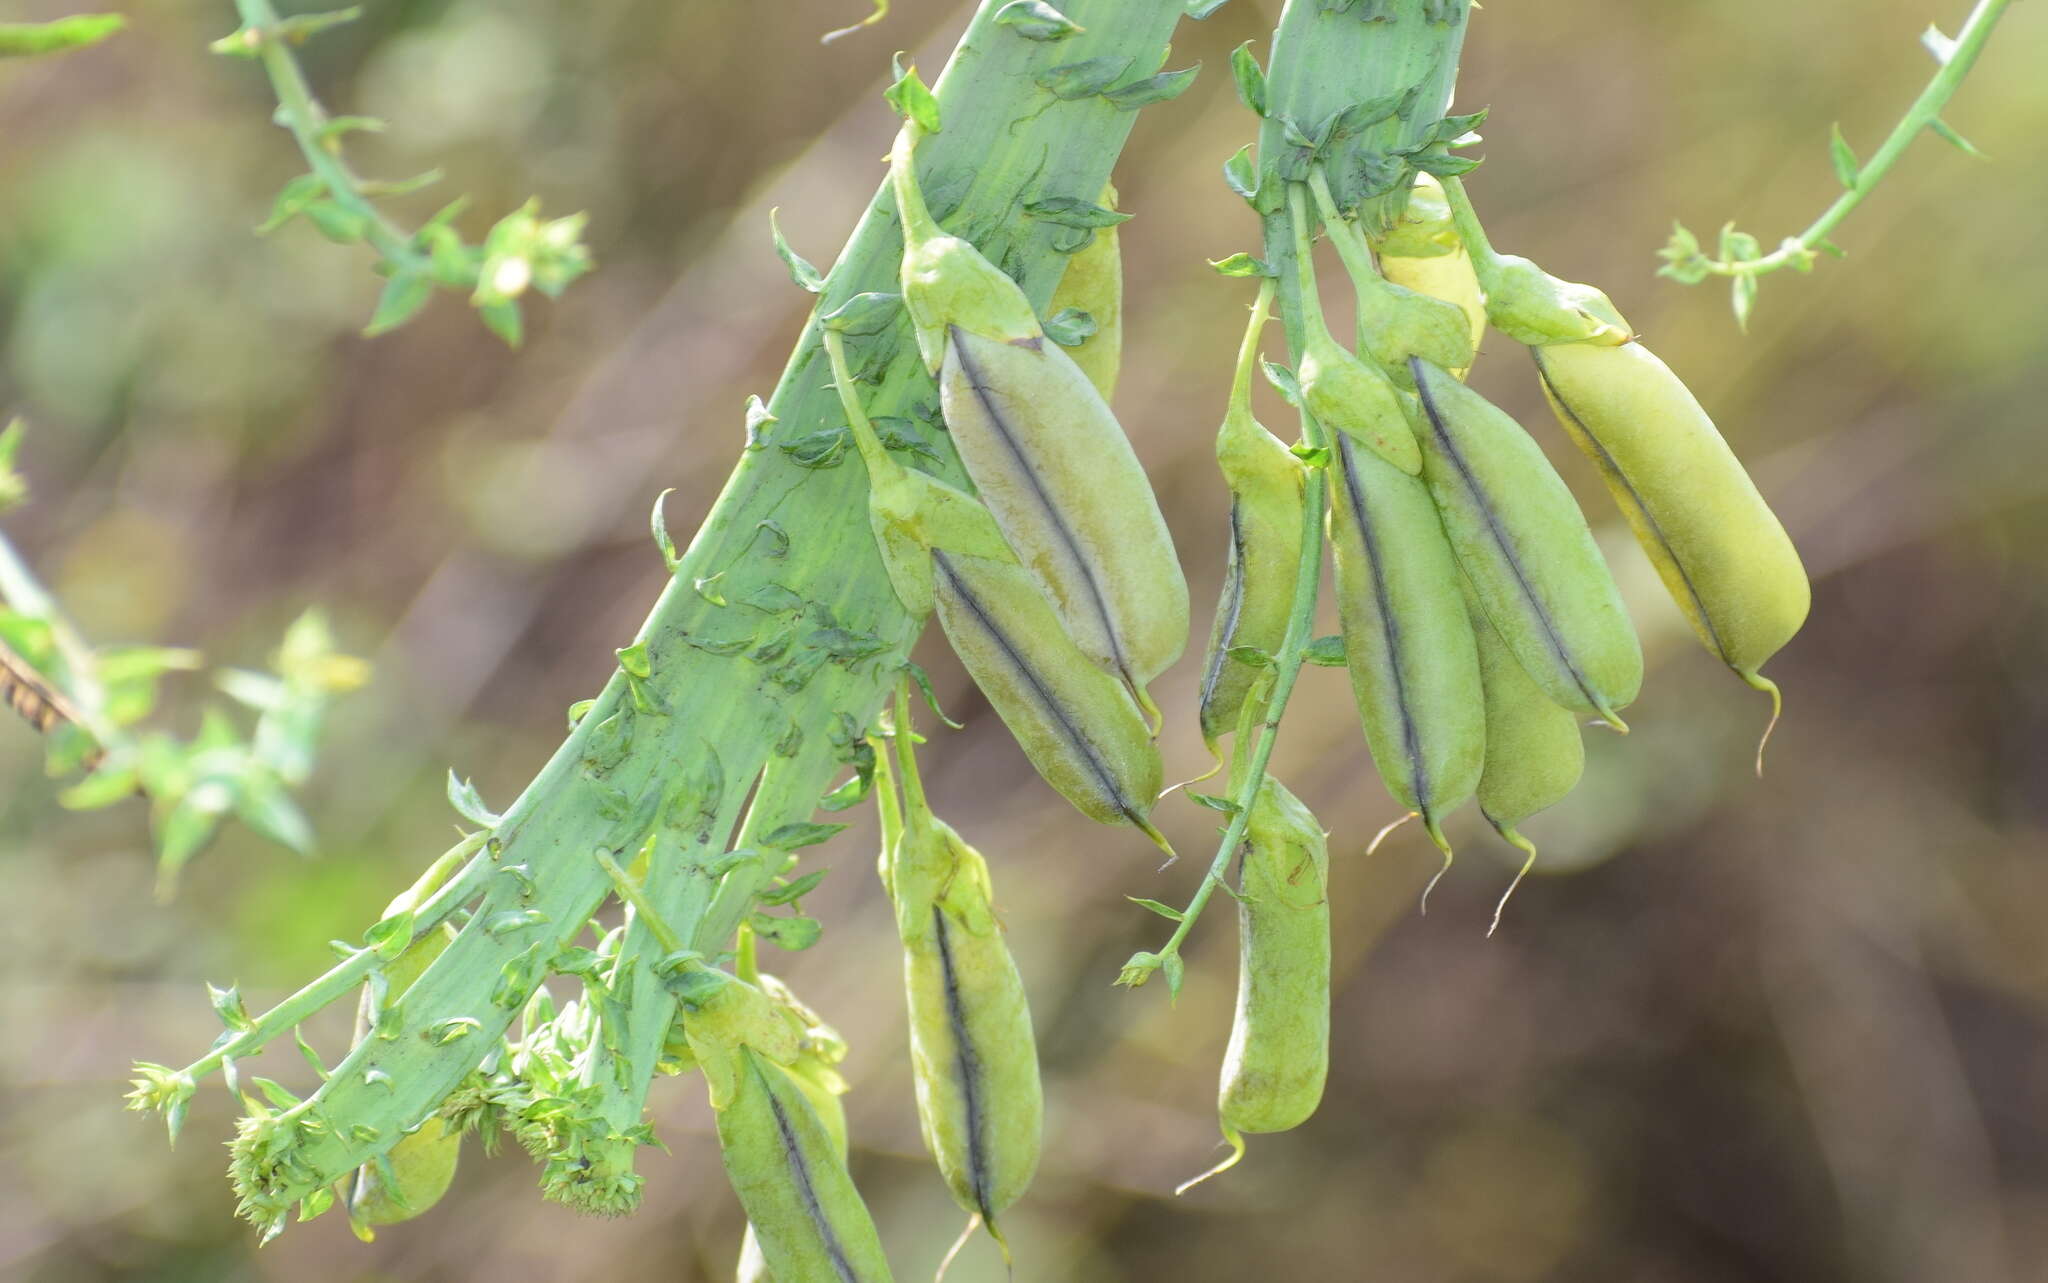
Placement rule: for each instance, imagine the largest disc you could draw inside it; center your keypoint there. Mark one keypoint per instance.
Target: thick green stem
(772, 678)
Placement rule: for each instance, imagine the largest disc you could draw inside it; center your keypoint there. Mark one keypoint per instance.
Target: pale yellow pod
(1094, 283)
(1447, 273)
(1062, 482)
(1721, 551)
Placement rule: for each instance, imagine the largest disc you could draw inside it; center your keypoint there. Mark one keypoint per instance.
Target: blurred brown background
(1779, 1030)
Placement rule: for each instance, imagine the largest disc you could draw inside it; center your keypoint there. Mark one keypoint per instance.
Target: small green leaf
(1241, 264)
(1250, 656)
(263, 804)
(1164, 87)
(794, 837)
(773, 599)
(228, 1005)
(578, 709)
(336, 222)
(911, 99)
(1166, 911)
(1069, 327)
(1036, 20)
(800, 269)
(1327, 652)
(657, 521)
(1072, 211)
(820, 449)
(1250, 77)
(404, 295)
(1085, 79)
(469, 803)
(864, 314)
(1947, 134)
(274, 1093)
(1283, 381)
(1241, 174)
(633, 659)
(292, 201)
(791, 892)
(1743, 299)
(793, 933)
(502, 319)
(1846, 168)
(758, 422)
(1174, 970)
(1213, 802)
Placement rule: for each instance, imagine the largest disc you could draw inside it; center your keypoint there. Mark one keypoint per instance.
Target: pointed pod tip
(1757, 681)
(1520, 843)
(1231, 1137)
(1387, 829)
(1436, 835)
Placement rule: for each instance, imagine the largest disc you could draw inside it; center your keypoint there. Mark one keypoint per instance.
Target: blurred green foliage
(1781, 1030)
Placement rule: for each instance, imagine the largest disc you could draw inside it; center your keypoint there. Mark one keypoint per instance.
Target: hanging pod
(1719, 548)
(1522, 540)
(1279, 1052)
(1407, 638)
(1046, 455)
(787, 1169)
(815, 1074)
(1534, 751)
(973, 1057)
(1076, 723)
(1093, 282)
(1058, 475)
(1264, 555)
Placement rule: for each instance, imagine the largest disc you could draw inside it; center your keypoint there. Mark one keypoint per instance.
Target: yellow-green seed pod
(1264, 556)
(1423, 253)
(971, 1047)
(1058, 475)
(786, 1168)
(1407, 638)
(1524, 544)
(1094, 283)
(1534, 751)
(973, 1057)
(1719, 548)
(1347, 394)
(1076, 723)
(1279, 1052)
(815, 1077)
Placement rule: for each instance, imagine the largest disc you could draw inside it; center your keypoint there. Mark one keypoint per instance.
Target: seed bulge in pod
(1078, 725)
(1055, 470)
(1719, 548)
(1524, 545)
(784, 1166)
(1407, 639)
(1264, 558)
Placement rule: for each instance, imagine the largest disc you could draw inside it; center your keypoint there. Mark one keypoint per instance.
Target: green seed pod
(815, 1077)
(1279, 1053)
(1534, 752)
(971, 1047)
(1347, 394)
(1407, 639)
(1266, 502)
(1067, 491)
(1531, 306)
(1094, 283)
(1423, 253)
(1076, 723)
(786, 1168)
(1720, 550)
(973, 1057)
(1524, 543)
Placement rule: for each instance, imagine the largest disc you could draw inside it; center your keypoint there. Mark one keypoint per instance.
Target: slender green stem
(1470, 231)
(354, 969)
(1248, 347)
(1925, 113)
(1287, 663)
(1350, 242)
(302, 114)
